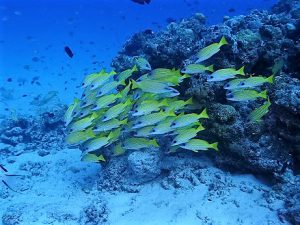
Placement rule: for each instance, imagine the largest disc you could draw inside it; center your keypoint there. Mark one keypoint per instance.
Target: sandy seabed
(60, 189)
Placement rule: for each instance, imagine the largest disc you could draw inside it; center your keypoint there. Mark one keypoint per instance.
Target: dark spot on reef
(9, 80)
(69, 52)
(25, 95)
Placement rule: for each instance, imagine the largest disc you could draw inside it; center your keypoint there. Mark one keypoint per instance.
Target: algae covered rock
(144, 166)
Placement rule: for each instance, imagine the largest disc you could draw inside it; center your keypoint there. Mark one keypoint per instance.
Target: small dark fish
(24, 95)
(9, 80)
(4, 177)
(170, 20)
(69, 52)
(35, 59)
(142, 2)
(148, 31)
(231, 10)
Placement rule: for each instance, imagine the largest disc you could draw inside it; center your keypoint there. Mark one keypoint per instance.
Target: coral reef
(42, 132)
(258, 41)
(93, 214)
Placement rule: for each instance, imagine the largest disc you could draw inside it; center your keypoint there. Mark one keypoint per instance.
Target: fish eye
(184, 144)
(135, 111)
(243, 83)
(81, 114)
(123, 128)
(95, 128)
(153, 130)
(104, 117)
(227, 85)
(173, 124)
(71, 130)
(230, 96)
(163, 110)
(139, 122)
(211, 77)
(100, 92)
(83, 84)
(229, 92)
(93, 85)
(83, 95)
(174, 142)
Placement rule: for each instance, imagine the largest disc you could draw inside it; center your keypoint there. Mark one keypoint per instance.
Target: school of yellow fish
(119, 112)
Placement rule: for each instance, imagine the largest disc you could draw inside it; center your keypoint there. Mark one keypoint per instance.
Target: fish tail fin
(189, 101)
(210, 68)
(270, 79)
(263, 94)
(154, 143)
(134, 68)
(111, 135)
(204, 114)
(125, 121)
(186, 75)
(134, 84)
(200, 127)
(112, 72)
(214, 146)
(90, 133)
(101, 158)
(164, 102)
(122, 83)
(241, 71)
(223, 41)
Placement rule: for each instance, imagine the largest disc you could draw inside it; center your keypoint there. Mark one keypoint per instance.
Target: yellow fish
(139, 143)
(68, 117)
(199, 145)
(187, 119)
(78, 137)
(92, 158)
(83, 123)
(210, 50)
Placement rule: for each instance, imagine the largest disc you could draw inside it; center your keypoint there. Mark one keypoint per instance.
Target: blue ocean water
(59, 187)
(33, 35)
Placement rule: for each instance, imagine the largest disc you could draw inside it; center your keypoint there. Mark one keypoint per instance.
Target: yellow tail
(223, 41)
(189, 101)
(270, 79)
(134, 68)
(134, 84)
(214, 146)
(204, 114)
(241, 71)
(210, 68)
(263, 94)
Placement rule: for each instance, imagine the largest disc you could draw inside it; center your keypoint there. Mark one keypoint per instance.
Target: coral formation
(258, 40)
(45, 131)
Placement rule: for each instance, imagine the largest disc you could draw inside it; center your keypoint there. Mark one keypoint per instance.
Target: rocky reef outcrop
(261, 41)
